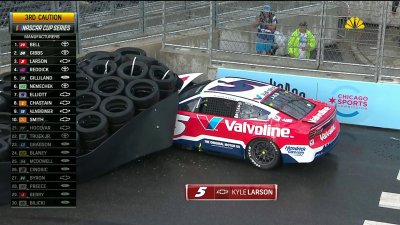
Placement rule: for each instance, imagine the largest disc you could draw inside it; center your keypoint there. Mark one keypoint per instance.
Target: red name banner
(252, 192)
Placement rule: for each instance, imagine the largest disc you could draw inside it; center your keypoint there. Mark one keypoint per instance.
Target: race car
(253, 120)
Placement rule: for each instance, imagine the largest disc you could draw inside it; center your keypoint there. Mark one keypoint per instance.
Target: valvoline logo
(209, 122)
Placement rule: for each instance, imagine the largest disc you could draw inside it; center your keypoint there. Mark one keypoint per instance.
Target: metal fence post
(211, 30)
(381, 41)
(321, 46)
(164, 35)
(212, 24)
(142, 19)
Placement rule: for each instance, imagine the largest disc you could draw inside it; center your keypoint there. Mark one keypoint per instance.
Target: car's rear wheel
(263, 153)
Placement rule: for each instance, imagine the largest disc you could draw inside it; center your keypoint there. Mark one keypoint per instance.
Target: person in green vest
(301, 42)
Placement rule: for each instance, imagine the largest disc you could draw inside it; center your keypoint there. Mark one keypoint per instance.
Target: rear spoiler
(187, 79)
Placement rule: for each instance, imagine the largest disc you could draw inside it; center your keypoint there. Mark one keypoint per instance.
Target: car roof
(250, 89)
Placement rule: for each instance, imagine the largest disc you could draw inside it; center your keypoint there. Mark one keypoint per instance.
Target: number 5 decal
(179, 125)
(201, 192)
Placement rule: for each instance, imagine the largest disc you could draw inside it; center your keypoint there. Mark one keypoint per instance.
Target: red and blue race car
(253, 120)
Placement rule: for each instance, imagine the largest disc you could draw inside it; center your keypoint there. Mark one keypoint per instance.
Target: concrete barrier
(357, 102)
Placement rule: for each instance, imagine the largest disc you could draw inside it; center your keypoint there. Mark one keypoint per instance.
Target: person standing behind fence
(266, 26)
(301, 42)
(395, 4)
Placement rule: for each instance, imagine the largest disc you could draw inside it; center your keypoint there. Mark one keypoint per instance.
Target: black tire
(5, 131)
(87, 101)
(139, 58)
(156, 73)
(112, 56)
(4, 151)
(89, 145)
(144, 93)
(117, 109)
(4, 105)
(5, 90)
(96, 69)
(108, 86)
(263, 153)
(91, 125)
(84, 83)
(82, 62)
(5, 77)
(140, 71)
(5, 118)
(130, 51)
(90, 55)
(80, 71)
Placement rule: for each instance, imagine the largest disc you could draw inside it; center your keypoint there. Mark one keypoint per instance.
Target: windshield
(289, 103)
(192, 90)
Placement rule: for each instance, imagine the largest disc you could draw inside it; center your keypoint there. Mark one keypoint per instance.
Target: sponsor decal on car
(266, 130)
(209, 123)
(320, 114)
(287, 120)
(269, 90)
(328, 133)
(295, 150)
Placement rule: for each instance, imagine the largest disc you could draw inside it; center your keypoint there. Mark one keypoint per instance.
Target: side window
(189, 105)
(218, 107)
(248, 111)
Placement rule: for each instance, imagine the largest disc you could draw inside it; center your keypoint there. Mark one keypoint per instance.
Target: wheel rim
(263, 152)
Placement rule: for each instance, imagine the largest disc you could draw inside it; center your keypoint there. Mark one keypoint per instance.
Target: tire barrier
(144, 93)
(84, 82)
(111, 89)
(131, 83)
(139, 71)
(87, 101)
(108, 86)
(101, 68)
(120, 129)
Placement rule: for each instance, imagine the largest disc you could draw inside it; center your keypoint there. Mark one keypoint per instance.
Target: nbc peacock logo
(354, 23)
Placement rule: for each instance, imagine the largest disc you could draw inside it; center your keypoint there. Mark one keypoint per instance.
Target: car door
(213, 112)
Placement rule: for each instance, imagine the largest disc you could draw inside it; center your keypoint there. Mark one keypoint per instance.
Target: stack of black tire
(107, 95)
(5, 125)
(110, 92)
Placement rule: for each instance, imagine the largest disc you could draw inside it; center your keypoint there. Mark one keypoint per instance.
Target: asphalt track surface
(341, 188)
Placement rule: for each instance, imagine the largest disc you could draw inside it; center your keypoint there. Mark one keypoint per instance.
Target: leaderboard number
(201, 192)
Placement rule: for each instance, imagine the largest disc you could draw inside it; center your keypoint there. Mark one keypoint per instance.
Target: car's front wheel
(263, 153)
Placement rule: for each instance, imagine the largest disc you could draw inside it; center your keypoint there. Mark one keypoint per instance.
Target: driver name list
(43, 113)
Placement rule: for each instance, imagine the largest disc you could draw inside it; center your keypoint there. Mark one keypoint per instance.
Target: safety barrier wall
(357, 102)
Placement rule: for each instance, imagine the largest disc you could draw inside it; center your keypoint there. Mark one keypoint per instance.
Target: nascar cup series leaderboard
(253, 120)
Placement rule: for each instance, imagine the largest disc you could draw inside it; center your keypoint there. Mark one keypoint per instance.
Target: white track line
(390, 200)
(369, 222)
(398, 176)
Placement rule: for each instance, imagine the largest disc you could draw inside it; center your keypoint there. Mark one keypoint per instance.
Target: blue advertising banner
(357, 102)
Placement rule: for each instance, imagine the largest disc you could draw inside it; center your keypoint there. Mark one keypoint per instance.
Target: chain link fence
(226, 30)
